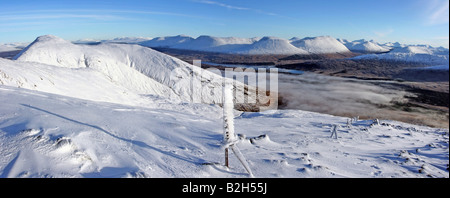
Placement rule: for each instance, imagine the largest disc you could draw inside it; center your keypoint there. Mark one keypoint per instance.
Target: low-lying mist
(352, 97)
(335, 95)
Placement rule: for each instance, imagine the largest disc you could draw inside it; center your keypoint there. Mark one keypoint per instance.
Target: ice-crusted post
(228, 106)
(230, 138)
(228, 119)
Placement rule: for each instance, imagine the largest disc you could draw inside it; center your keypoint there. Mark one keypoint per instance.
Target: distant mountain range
(279, 46)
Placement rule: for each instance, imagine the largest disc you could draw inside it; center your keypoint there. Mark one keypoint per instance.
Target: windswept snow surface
(46, 135)
(320, 45)
(421, 54)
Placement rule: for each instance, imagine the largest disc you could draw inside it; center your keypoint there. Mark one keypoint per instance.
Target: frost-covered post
(229, 137)
(228, 119)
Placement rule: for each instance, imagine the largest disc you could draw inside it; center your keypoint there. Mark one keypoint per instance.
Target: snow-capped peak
(321, 45)
(50, 38)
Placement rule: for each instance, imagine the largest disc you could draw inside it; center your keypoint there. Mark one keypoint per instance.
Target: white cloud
(438, 12)
(221, 4)
(239, 8)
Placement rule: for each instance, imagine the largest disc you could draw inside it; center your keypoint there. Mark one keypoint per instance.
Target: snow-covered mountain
(216, 44)
(364, 46)
(168, 41)
(138, 69)
(320, 45)
(233, 45)
(271, 45)
(421, 54)
(391, 45)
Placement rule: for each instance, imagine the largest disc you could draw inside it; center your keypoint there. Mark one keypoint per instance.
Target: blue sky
(406, 21)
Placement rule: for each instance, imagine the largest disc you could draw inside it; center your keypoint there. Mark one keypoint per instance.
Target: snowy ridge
(320, 45)
(152, 72)
(83, 83)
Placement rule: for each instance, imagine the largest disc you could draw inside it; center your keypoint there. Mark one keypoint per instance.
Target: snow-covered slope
(136, 68)
(271, 45)
(364, 46)
(169, 41)
(84, 83)
(46, 135)
(320, 45)
(422, 54)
